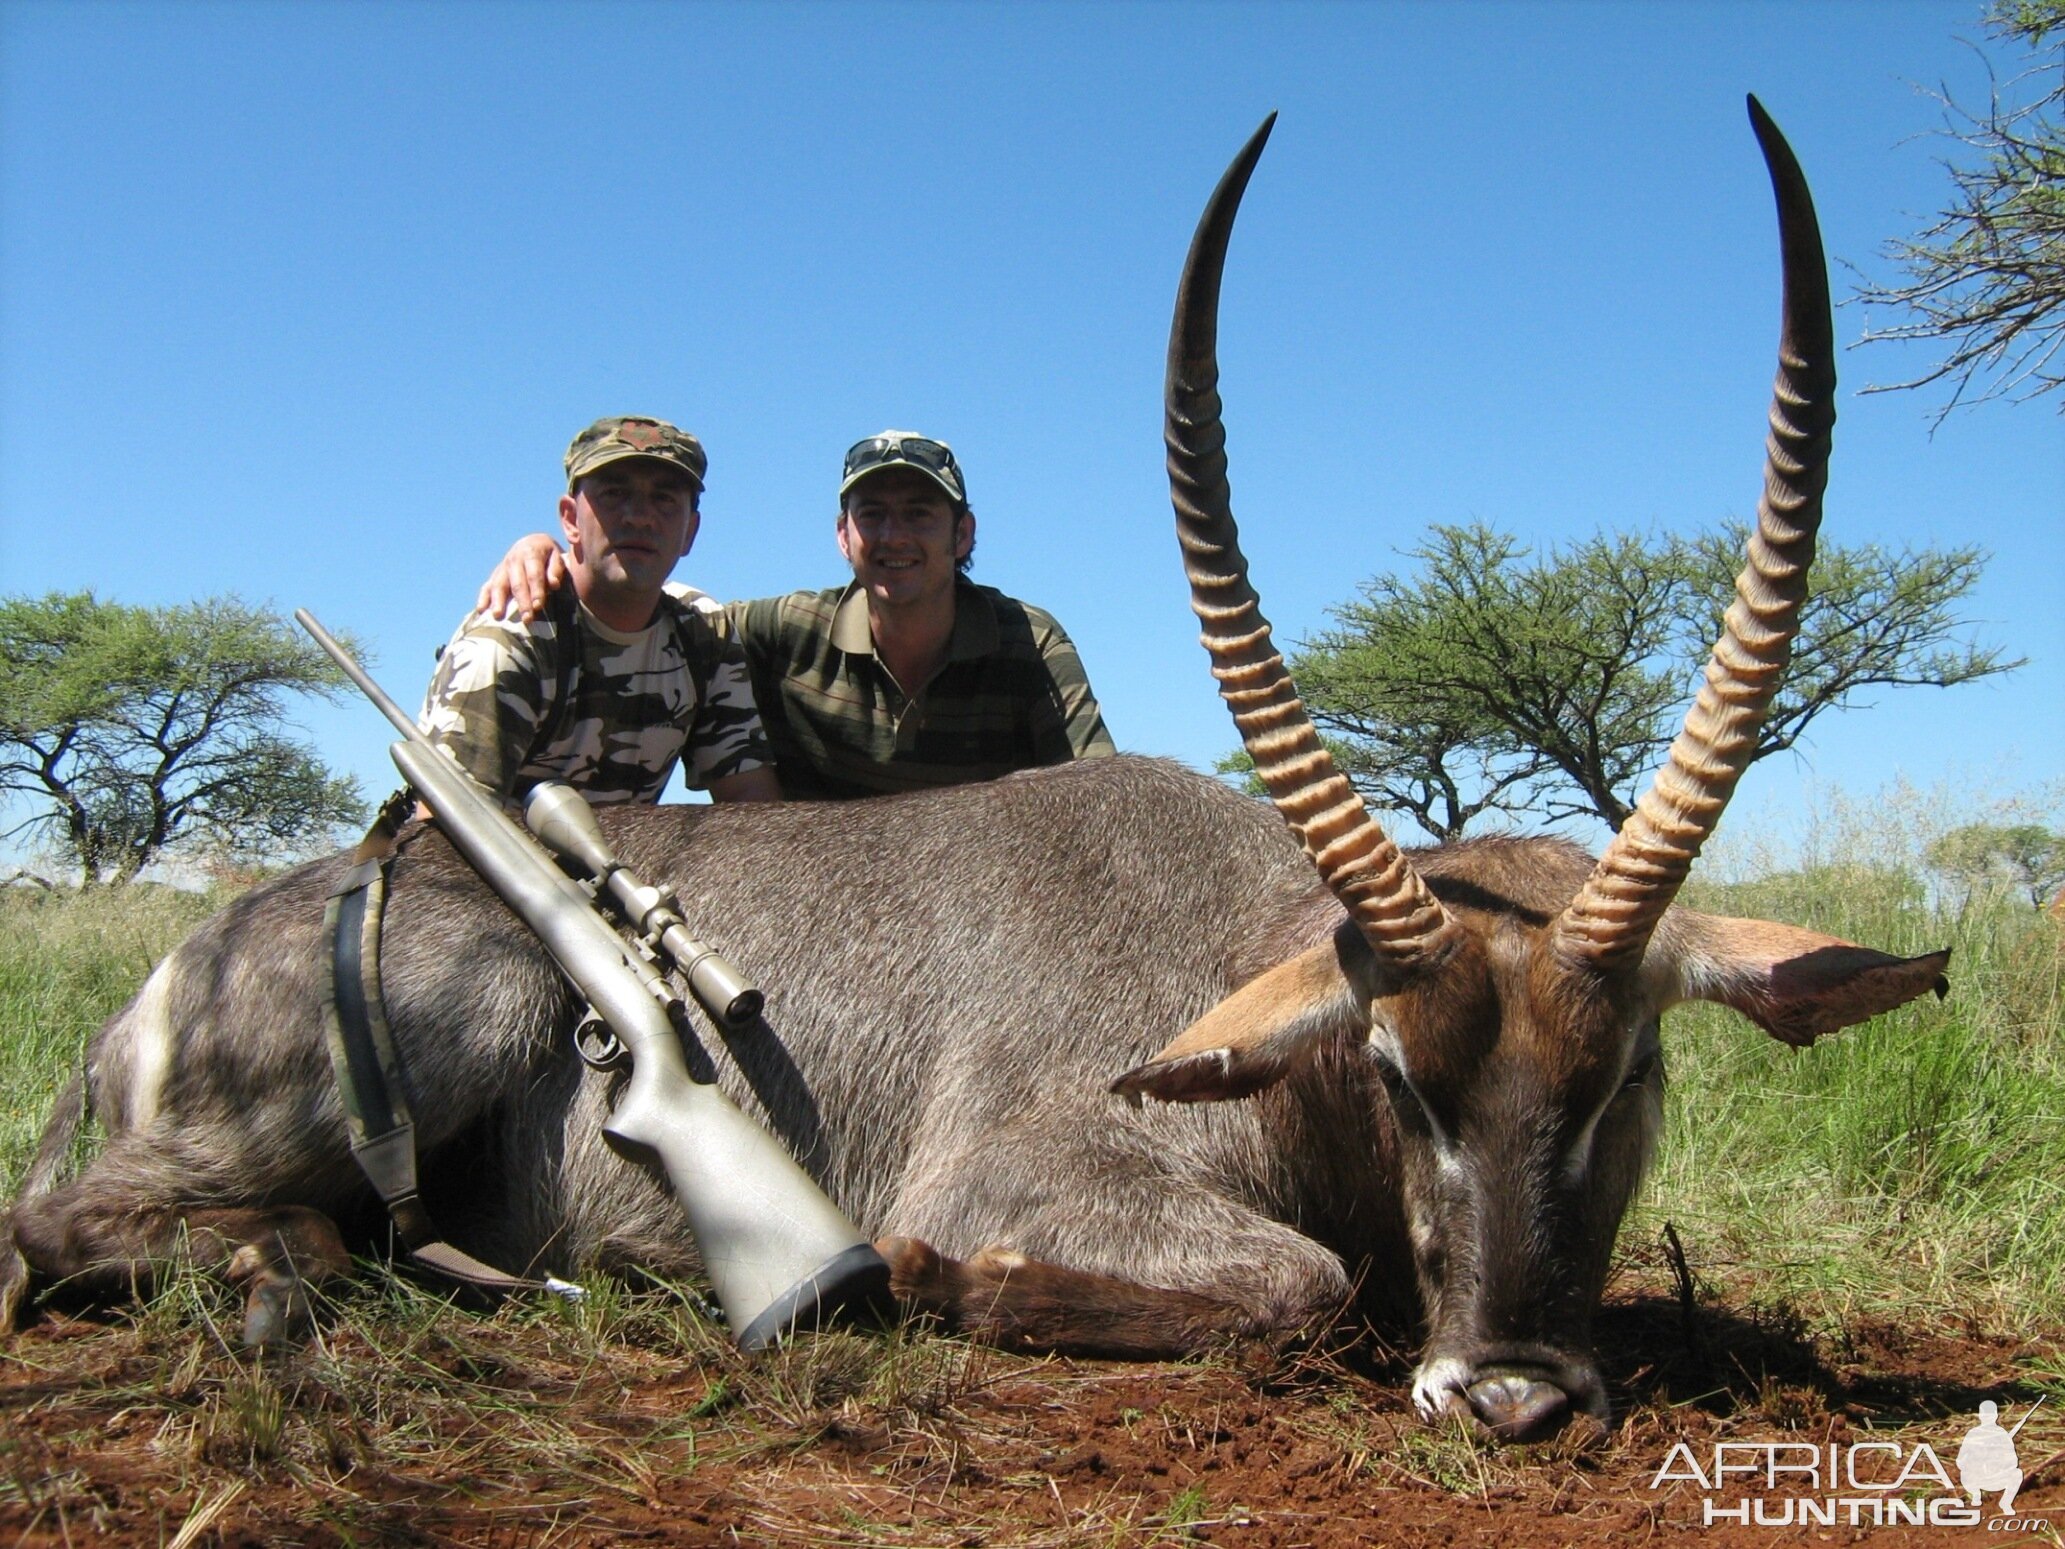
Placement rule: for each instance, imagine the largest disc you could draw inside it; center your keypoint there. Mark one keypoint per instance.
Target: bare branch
(1987, 276)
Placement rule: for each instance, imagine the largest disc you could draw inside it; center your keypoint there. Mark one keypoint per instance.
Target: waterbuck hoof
(14, 1284)
(277, 1308)
(915, 1268)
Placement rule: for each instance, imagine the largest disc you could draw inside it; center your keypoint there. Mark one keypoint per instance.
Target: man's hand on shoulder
(757, 784)
(529, 573)
(695, 599)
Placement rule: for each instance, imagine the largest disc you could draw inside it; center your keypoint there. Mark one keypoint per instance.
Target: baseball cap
(634, 435)
(907, 449)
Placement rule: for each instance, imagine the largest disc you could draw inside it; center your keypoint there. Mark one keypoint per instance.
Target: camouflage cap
(634, 435)
(904, 449)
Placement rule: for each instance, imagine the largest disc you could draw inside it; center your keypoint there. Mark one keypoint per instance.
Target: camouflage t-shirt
(566, 697)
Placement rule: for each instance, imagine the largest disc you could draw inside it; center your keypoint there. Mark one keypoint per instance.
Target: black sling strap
(367, 1063)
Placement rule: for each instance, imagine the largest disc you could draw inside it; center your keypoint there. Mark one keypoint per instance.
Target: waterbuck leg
(1003, 1298)
(1149, 1262)
(278, 1254)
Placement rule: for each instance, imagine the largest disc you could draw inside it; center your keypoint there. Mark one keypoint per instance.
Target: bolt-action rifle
(780, 1255)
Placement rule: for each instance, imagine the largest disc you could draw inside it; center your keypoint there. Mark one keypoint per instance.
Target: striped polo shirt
(1011, 695)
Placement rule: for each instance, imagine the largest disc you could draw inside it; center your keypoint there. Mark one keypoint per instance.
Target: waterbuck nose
(1516, 1407)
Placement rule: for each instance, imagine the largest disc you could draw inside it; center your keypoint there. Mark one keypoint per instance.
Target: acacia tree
(1874, 618)
(1493, 680)
(2023, 855)
(1987, 276)
(130, 731)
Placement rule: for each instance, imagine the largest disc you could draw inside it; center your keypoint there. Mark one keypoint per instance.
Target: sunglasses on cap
(933, 457)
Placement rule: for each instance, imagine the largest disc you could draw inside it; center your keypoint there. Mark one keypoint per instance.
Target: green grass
(68, 961)
(1916, 1162)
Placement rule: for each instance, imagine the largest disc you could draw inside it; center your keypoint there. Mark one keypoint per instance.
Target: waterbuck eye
(1643, 1067)
(1404, 1100)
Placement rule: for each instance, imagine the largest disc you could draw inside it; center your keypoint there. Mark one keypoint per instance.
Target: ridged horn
(1404, 924)
(1609, 922)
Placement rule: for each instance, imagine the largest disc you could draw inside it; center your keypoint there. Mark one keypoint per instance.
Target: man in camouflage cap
(909, 677)
(619, 678)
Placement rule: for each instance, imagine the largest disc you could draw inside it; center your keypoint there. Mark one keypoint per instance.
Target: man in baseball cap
(619, 679)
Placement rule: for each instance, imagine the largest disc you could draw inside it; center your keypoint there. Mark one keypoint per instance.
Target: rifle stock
(779, 1253)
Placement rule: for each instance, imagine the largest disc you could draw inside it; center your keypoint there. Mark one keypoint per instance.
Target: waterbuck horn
(1404, 924)
(1608, 924)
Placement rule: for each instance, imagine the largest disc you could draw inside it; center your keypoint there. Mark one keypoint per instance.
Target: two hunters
(604, 678)
(908, 677)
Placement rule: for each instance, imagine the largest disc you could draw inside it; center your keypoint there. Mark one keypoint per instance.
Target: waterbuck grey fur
(1109, 1059)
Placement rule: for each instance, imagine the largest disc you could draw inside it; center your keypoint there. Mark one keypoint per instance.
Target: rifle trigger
(598, 1045)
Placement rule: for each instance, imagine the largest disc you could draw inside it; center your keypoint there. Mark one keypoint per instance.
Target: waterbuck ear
(1254, 1037)
(1795, 984)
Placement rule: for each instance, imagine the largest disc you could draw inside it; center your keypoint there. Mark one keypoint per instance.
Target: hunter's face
(903, 536)
(628, 524)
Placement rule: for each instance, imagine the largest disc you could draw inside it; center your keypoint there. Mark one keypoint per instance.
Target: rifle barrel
(352, 670)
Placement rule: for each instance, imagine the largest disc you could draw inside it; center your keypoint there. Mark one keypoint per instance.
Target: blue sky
(303, 302)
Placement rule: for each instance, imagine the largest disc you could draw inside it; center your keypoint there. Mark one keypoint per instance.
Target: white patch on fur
(1436, 1382)
(151, 1045)
(1578, 1162)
